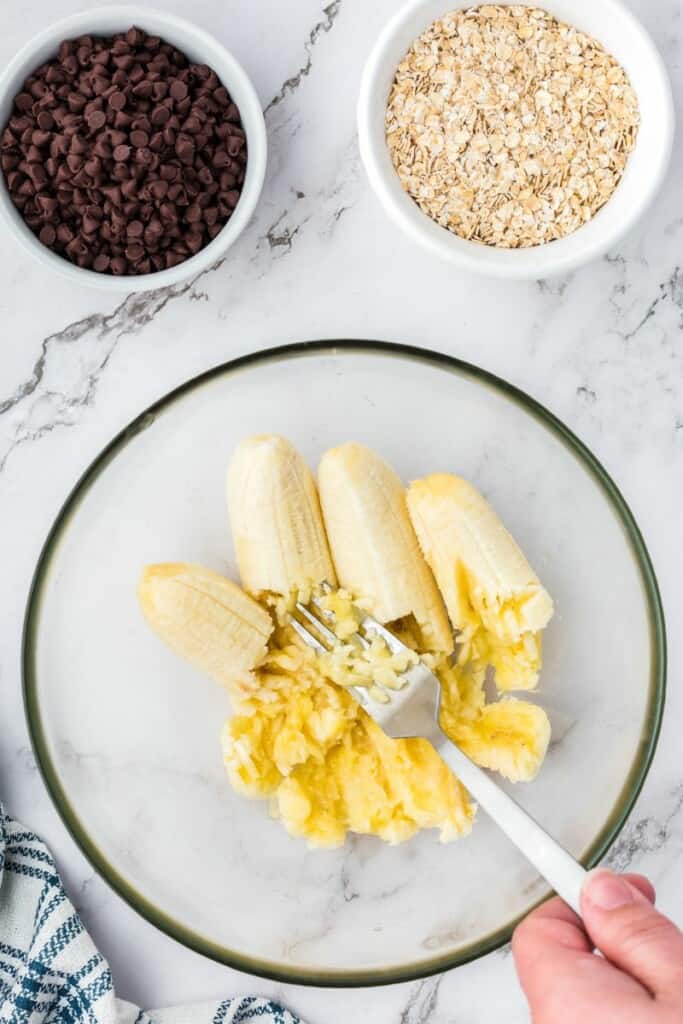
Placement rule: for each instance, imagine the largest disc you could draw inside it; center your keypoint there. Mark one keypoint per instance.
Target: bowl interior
(623, 36)
(199, 46)
(128, 736)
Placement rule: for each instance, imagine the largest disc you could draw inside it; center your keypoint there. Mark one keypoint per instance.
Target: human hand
(638, 981)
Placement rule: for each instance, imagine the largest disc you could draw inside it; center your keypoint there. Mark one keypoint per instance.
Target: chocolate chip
(90, 224)
(134, 252)
(93, 166)
(173, 259)
(235, 145)
(184, 148)
(139, 137)
(96, 120)
(194, 241)
(113, 194)
(40, 138)
(48, 205)
(102, 149)
(48, 235)
(121, 152)
(124, 63)
(144, 89)
(178, 90)
(117, 100)
(122, 120)
(158, 189)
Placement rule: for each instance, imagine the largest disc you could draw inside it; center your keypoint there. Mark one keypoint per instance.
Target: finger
(555, 908)
(557, 967)
(623, 924)
(644, 884)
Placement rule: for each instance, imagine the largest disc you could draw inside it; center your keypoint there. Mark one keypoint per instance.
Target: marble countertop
(603, 348)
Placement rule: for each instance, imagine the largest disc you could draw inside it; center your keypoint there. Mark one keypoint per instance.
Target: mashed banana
(304, 743)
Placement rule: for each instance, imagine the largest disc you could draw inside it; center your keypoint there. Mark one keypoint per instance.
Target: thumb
(625, 926)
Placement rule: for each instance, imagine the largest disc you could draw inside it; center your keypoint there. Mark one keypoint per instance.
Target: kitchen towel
(50, 970)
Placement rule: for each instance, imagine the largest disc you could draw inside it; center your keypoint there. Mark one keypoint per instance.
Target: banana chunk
(275, 517)
(494, 598)
(510, 736)
(374, 547)
(206, 619)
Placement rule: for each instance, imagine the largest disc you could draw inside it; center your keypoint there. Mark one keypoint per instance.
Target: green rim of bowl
(155, 915)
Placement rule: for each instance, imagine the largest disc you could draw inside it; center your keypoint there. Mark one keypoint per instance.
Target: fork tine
(314, 621)
(312, 641)
(331, 636)
(376, 628)
(307, 637)
(372, 626)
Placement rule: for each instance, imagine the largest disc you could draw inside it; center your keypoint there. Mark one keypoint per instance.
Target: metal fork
(412, 711)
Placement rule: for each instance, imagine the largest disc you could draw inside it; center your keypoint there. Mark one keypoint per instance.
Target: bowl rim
(547, 259)
(262, 967)
(91, 21)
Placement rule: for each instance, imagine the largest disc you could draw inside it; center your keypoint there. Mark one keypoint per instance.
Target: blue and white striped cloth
(50, 971)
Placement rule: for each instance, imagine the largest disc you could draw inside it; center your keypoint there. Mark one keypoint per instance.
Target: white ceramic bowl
(623, 36)
(199, 46)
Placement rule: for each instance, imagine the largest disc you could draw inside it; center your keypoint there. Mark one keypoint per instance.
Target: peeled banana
(374, 547)
(206, 619)
(494, 598)
(275, 518)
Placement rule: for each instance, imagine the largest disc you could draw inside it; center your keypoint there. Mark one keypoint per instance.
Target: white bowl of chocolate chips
(132, 148)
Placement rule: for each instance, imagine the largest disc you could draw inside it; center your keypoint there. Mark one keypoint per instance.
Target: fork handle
(551, 860)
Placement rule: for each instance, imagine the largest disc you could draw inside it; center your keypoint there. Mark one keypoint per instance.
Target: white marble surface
(602, 348)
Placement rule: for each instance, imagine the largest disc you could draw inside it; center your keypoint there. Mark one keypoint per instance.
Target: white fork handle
(551, 860)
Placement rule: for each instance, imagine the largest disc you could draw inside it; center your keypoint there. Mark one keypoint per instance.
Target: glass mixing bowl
(127, 735)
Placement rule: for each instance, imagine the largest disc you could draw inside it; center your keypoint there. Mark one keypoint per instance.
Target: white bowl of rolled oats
(513, 140)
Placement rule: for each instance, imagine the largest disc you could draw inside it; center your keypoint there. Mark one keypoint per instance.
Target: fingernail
(608, 891)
